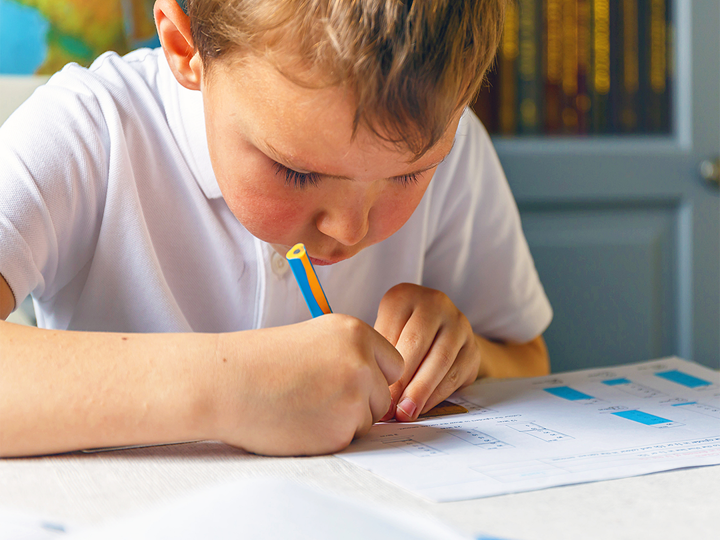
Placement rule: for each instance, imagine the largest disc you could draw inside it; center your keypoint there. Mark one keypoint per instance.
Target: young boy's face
(290, 170)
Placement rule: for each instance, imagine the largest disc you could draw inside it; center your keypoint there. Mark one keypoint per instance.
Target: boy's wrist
(189, 405)
(482, 363)
(209, 389)
(225, 375)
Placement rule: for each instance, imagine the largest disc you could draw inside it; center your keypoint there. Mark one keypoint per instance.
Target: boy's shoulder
(138, 74)
(472, 164)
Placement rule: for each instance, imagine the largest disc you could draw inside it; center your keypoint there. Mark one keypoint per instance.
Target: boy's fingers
(458, 376)
(415, 343)
(380, 400)
(368, 420)
(442, 362)
(379, 404)
(396, 390)
(391, 319)
(389, 360)
(391, 410)
(396, 307)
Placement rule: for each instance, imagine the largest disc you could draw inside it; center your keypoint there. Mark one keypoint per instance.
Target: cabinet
(624, 230)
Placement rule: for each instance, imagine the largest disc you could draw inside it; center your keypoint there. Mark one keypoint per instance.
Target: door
(624, 230)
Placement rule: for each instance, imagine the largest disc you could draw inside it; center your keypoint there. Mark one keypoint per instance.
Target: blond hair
(410, 65)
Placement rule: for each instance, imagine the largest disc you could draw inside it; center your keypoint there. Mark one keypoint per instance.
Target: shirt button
(279, 265)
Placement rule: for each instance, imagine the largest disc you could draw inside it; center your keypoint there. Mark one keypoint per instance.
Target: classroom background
(38, 37)
(606, 117)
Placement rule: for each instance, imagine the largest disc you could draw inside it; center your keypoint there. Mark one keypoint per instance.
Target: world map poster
(41, 36)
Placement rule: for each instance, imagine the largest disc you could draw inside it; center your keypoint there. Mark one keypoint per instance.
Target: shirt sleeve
(52, 183)
(476, 251)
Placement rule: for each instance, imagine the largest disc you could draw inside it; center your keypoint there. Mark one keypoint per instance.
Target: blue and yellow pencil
(308, 281)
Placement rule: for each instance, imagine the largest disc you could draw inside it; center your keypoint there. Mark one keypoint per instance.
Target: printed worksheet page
(568, 428)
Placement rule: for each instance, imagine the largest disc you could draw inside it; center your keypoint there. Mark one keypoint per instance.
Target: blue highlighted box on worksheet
(565, 392)
(642, 417)
(615, 382)
(684, 379)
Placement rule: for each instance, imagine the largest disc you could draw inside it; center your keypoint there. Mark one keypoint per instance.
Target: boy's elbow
(539, 355)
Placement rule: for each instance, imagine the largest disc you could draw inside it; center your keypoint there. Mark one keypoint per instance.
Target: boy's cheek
(264, 210)
(272, 223)
(395, 213)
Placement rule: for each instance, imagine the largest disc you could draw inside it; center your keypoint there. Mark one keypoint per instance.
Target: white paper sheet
(19, 525)
(271, 509)
(569, 428)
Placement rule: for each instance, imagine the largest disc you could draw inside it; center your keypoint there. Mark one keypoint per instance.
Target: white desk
(92, 488)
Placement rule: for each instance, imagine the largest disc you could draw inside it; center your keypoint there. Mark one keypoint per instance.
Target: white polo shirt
(111, 217)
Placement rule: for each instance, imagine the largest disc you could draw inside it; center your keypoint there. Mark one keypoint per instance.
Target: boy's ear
(173, 28)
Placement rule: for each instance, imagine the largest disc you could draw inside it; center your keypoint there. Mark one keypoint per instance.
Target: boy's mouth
(282, 250)
(322, 262)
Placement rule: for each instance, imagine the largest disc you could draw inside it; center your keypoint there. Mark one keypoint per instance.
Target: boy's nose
(346, 224)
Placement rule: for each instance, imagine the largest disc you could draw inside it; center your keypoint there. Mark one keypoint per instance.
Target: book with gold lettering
(569, 80)
(657, 100)
(627, 106)
(600, 82)
(530, 106)
(584, 52)
(507, 78)
(552, 62)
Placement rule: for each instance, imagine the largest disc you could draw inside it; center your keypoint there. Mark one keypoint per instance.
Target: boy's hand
(438, 345)
(312, 388)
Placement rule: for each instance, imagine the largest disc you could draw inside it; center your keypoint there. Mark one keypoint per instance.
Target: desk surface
(92, 488)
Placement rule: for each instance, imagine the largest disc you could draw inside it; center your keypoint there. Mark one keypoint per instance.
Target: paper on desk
(18, 525)
(272, 509)
(568, 428)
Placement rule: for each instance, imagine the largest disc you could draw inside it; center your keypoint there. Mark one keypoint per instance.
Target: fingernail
(408, 407)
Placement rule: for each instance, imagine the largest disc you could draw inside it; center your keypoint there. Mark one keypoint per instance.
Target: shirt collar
(186, 118)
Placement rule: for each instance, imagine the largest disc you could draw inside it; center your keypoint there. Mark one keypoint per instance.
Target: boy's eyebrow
(286, 161)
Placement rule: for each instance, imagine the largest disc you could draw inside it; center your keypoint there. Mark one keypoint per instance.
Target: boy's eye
(301, 180)
(407, 179)
(295, 178)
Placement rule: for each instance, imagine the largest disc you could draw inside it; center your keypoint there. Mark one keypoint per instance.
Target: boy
(147, 204)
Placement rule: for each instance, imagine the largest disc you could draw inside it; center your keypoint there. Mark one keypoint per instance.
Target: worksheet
(568, 428)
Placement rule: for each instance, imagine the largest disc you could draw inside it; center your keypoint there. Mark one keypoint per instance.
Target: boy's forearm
(501, 360)
(62, 391)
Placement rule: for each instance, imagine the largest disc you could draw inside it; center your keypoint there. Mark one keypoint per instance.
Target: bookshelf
(624, 230)
(581, 67)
